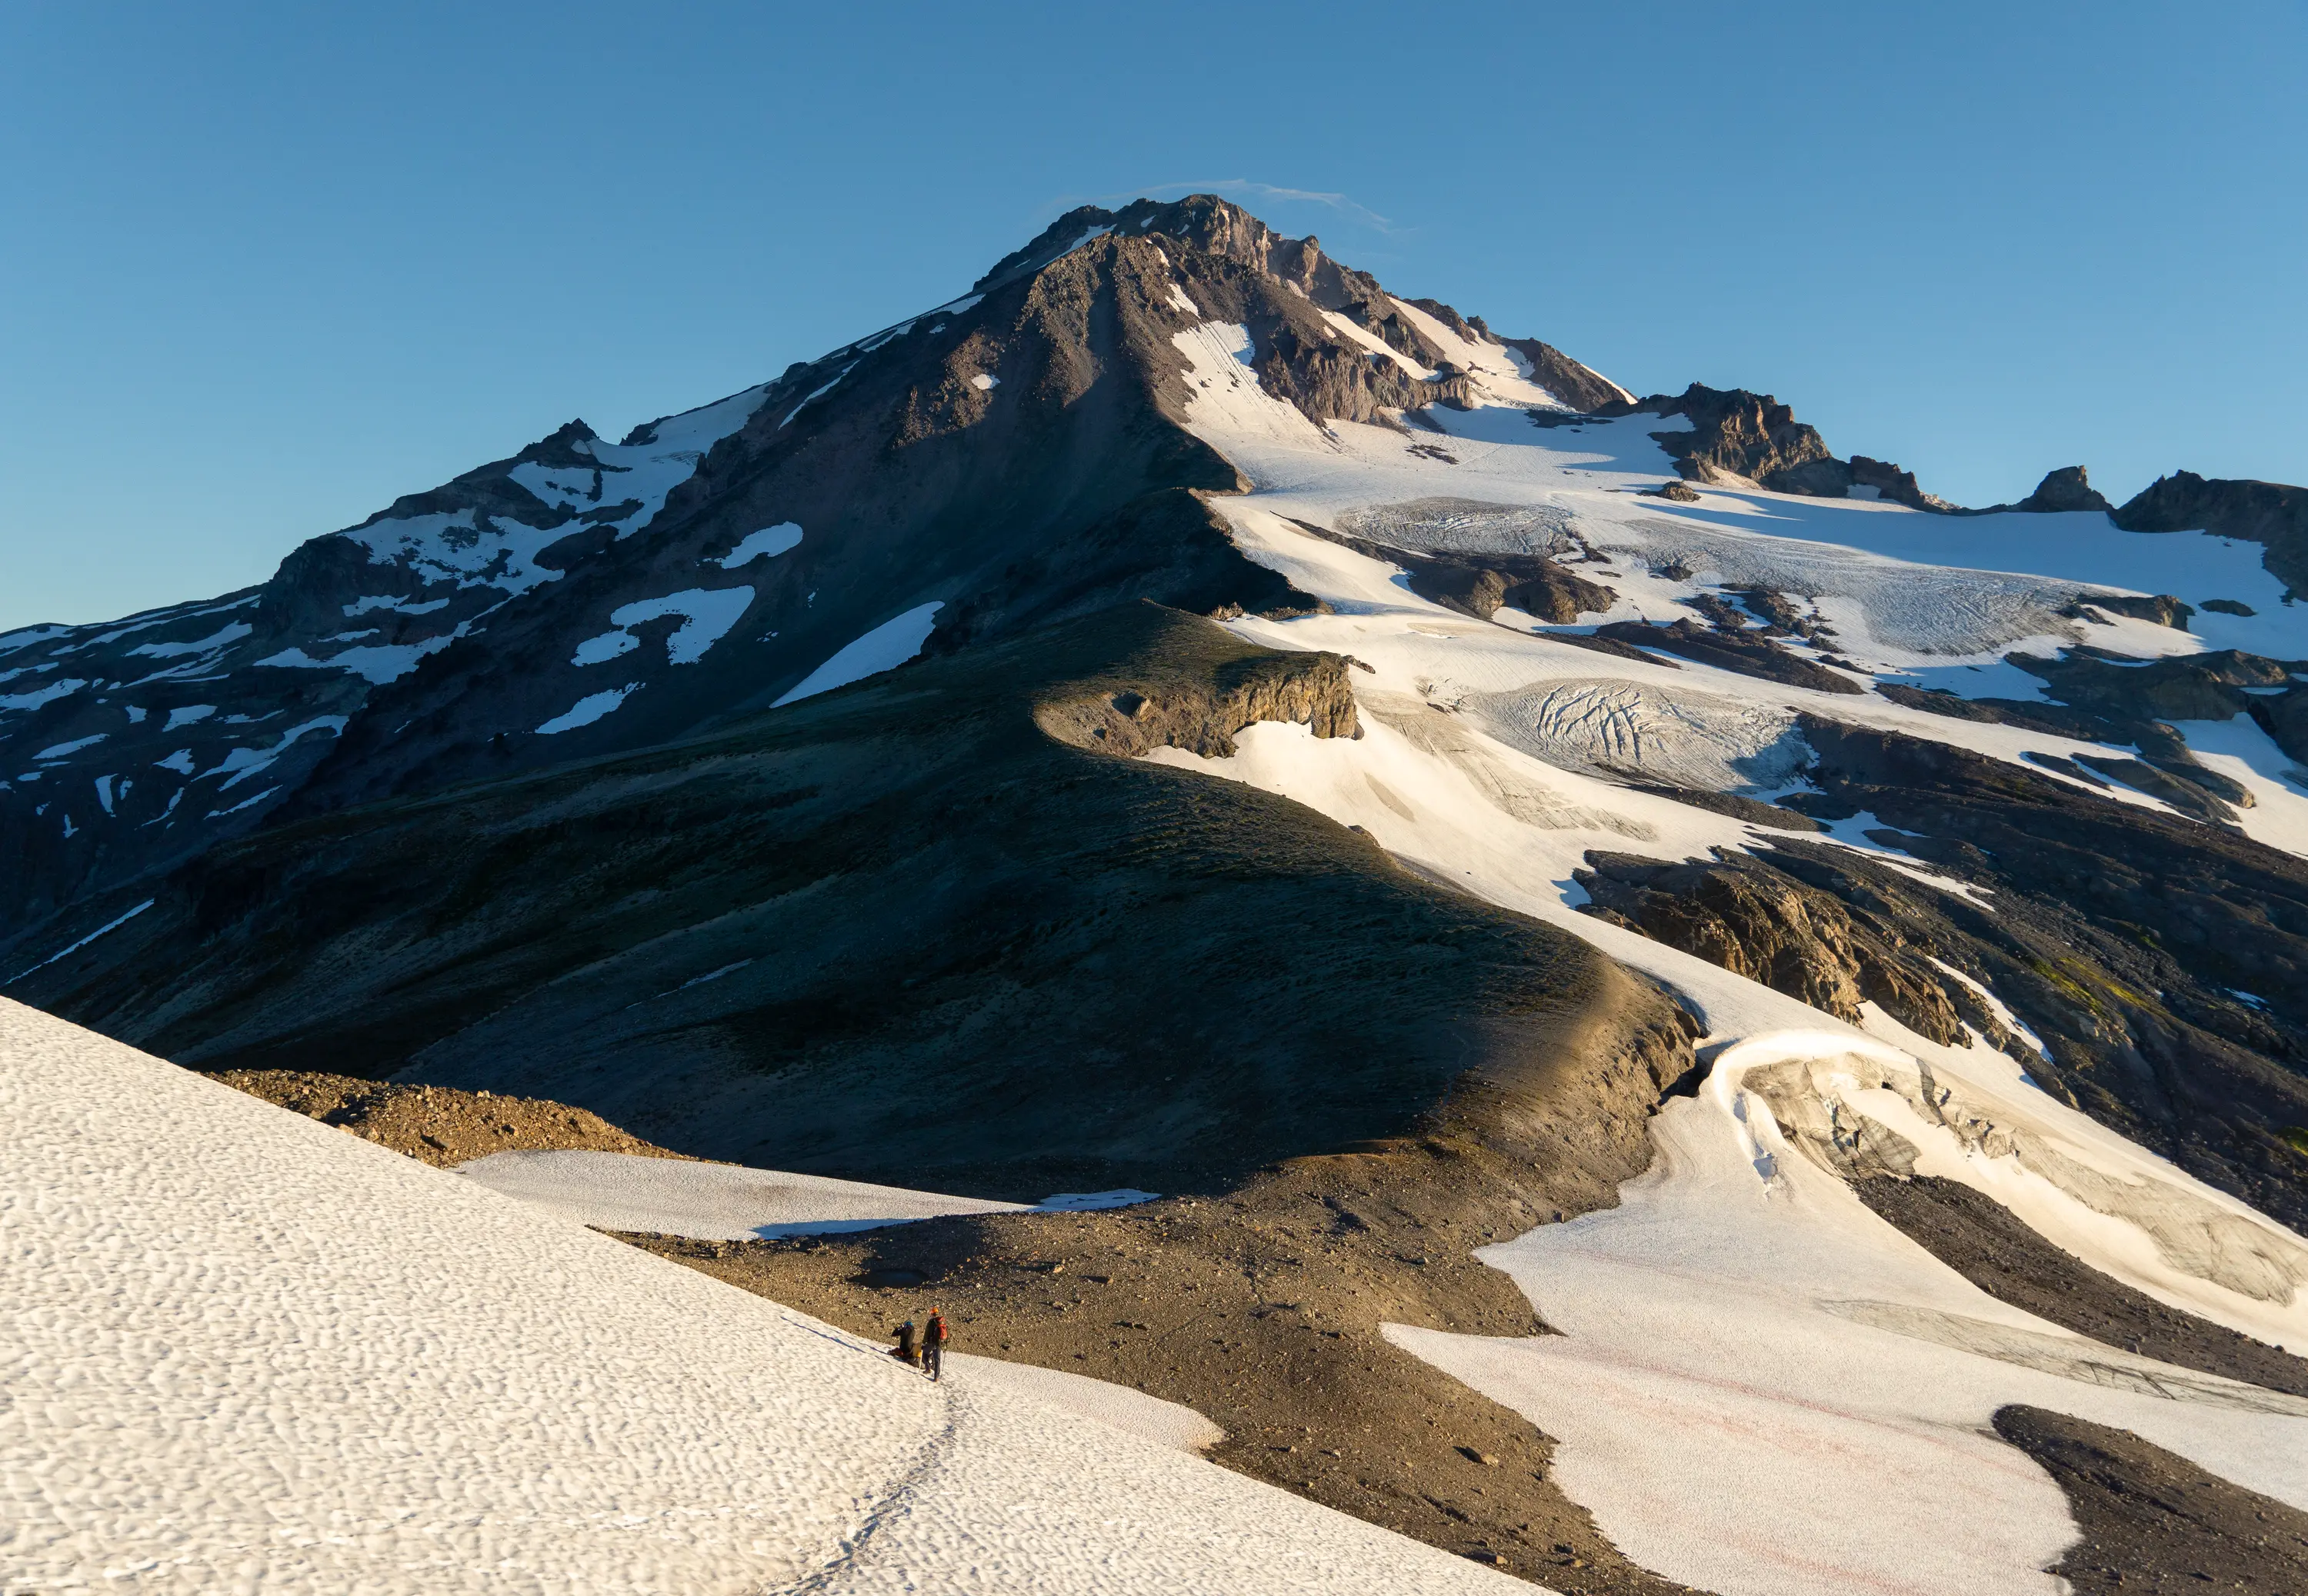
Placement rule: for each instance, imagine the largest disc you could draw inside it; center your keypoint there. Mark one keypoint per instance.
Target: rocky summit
(1669, 1009)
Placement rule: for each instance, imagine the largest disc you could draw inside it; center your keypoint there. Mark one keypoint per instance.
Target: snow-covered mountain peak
(871, 726)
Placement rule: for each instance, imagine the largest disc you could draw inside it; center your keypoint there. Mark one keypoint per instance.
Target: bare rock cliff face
(1768, 926)
(1741, 438)
(2069, 488)
(1737, 434)
(1581, 387)
(2271, 513)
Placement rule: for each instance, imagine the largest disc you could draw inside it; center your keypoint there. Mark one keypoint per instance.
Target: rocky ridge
(1012, 458)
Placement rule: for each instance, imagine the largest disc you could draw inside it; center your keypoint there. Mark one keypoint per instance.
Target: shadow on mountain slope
(900, 933)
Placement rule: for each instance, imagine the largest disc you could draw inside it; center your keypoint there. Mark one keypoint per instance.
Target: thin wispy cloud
(1345, 205)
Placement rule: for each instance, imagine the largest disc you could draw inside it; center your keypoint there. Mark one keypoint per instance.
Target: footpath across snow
(245, 1351)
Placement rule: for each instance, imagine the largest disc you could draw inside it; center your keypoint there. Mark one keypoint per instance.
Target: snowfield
(1760, 1385)
(248, 1353)
(728, 1202)
(884, 648)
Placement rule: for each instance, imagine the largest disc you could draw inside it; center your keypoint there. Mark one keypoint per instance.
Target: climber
(934, 1339)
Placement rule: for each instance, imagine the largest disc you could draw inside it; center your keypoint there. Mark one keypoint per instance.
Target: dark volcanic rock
(1750, 654)
(1993, 1249)
(1748, 435)
(2057, 719)
(1580, 387)
(2183, 797)
(1832, 478)
(1751, 810)
(1478, 585)
(2120, 935)
(2069, 488)
(1737, 437)
(1828, 479)
(1762, 923)
(2283, 716)
(2065, 767)
(2154, 1522)
(2162, 608)
(1889, 482)
(1201, 714)
(2273, 514)
(1326, 378)
(1611, 646)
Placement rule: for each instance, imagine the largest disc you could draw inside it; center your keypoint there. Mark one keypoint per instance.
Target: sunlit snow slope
(1761, 1387)
(243, 1352)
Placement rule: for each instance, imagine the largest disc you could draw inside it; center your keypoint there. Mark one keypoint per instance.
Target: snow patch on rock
(762, 544)
(588, 709)
(884, 648)
(707, 615)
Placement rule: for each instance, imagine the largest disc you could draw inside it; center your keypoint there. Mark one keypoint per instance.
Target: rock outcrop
(1765, 924)
(1130, 714)
(1738, 438)
(2271, 513)
(1749, 653)
(1479, 585)
(1580, 387)
(2123, 936)
(2067, 489)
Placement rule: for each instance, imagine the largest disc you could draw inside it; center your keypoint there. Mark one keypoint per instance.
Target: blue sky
(266, 268)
